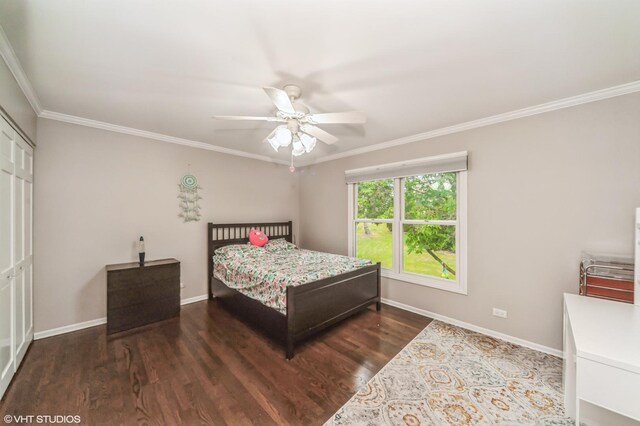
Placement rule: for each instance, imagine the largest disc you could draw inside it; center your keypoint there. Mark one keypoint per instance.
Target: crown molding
(611, 92)
(73, 119)
(10, 58)
(598, 95)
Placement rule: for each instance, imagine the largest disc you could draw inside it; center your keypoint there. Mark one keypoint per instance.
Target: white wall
(541, 189)
(13, 101)
(96, 192)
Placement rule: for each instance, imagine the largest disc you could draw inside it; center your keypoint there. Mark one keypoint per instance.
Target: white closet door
(28, 243)
(7, 296)
(16, 290)
(23, 155)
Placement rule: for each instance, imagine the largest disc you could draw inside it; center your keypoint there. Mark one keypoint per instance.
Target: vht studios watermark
(42, 419)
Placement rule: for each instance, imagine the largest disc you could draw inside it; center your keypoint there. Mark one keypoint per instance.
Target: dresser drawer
(143, 293)
(608, 288)
(609, 283)
(128, 278)
(610, 293)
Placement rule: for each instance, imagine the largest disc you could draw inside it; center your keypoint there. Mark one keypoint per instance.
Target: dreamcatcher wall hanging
(189, 197)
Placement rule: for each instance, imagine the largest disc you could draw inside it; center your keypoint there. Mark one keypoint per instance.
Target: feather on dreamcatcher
(189, 198)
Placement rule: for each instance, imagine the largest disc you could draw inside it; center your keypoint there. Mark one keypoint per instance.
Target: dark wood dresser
(138, 295)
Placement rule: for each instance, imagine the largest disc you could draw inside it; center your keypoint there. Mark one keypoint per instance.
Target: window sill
(432, 282)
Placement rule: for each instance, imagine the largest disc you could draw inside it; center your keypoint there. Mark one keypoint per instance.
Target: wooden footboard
(317, 305)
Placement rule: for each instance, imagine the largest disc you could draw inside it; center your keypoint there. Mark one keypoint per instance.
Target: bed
(309, 308)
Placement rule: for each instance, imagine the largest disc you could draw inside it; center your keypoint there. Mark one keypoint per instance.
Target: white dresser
(601, 355)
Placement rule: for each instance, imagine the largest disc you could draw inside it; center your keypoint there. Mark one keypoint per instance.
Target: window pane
(374, 241)
(430, 197)
(375, 199)
(430, 250)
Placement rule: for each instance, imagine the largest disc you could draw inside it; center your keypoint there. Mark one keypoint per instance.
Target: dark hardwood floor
(205, 367)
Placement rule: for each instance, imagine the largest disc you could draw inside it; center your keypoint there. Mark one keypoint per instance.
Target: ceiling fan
(299, 125)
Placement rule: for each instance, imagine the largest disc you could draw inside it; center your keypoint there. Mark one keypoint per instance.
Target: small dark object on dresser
(141, 251)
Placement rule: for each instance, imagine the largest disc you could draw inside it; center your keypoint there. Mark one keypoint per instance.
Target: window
(374, 221)
(413, 224)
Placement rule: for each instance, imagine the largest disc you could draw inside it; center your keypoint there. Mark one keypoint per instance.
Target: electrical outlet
(181, 285)
(499, 313)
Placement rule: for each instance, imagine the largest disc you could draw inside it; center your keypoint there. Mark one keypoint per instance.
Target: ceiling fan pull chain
(292, 167)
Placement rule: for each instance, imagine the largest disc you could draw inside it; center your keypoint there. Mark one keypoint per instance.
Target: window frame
(459, 285)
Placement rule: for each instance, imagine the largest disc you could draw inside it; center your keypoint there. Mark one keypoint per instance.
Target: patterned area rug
(451, 376)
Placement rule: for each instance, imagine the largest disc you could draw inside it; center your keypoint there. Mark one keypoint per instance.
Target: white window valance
(454, 162)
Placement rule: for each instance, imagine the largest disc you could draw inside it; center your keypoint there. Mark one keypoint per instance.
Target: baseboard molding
(99, 321)
(468, 326)
(194, 299)
(69, 328)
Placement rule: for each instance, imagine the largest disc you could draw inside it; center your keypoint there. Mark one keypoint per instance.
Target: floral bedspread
(265, 277)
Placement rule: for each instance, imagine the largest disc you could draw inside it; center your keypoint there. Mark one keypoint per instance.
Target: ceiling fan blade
(319, 133)
(338, 117)
(246, 117)
(280, 99)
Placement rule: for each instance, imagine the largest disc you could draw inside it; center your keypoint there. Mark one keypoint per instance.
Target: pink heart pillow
(258, 238)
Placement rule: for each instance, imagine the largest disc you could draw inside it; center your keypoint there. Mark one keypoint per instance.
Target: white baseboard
(68, 328)
(99, 321)
(468, 326)
(194, 299)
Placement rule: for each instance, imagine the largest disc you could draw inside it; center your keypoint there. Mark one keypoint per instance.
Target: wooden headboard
(219, 235)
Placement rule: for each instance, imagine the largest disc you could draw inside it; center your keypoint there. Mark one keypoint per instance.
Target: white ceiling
(412, 66)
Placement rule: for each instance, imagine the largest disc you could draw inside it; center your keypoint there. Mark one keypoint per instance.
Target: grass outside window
(377, 246)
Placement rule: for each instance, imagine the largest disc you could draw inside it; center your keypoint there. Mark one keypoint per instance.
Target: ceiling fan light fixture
(283, 136)
(308, 141)
(299, 125)
(298, 148)
(273, 142)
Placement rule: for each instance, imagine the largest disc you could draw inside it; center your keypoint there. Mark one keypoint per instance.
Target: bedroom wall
(96, 192)
(540, 190)
(13, 101)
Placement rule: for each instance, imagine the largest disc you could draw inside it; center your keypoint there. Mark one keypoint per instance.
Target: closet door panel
(28, 302)
(28, 264)
(7, 358)
(28, 159)
(22, 259)
(7, 145)
(18, 224)
(28, 218)
(6, 222)
(7, 306)
(21, 337)
(23, 315)
(18, 251)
